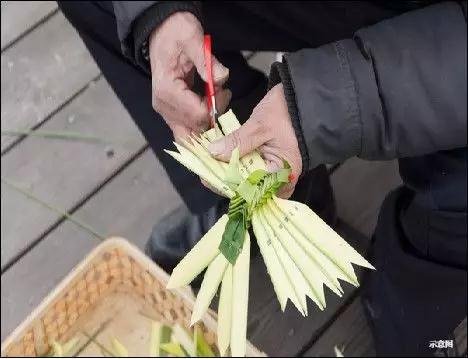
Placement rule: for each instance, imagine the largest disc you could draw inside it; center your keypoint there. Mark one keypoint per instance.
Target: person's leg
(95, 24)
(418, 293)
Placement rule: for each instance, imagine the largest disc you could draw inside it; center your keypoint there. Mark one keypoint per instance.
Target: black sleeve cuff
(279, 73)
(151, 19)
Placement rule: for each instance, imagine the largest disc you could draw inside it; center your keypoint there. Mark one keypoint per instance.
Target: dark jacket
(397, 89)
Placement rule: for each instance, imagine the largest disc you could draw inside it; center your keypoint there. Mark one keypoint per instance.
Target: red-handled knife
(209, 87)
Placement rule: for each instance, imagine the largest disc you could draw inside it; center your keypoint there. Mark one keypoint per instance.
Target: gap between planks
(29, 29)
(20, 138)
(73, 209)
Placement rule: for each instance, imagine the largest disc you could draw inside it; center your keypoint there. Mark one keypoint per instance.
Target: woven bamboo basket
(114, 292)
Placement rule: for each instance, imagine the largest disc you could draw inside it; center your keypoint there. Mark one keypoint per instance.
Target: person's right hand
(176, 52)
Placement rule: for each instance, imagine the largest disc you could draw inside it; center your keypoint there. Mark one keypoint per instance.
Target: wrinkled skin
(270, 132)
(176, 52)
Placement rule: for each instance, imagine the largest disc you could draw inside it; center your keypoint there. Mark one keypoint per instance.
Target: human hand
(176, 52)
(270, 132)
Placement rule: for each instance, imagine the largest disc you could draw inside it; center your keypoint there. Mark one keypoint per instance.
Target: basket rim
(209, 318)
(107, 244)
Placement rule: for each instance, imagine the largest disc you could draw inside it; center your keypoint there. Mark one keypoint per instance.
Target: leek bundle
(301, 252)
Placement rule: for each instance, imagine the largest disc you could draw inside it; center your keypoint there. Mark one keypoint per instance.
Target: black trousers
(400, 297)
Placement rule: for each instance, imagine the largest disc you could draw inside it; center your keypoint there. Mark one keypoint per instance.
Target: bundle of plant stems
(164, 340)
(301, 252)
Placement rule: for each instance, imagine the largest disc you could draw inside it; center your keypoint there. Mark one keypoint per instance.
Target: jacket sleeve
(397, 89)
(137, 19)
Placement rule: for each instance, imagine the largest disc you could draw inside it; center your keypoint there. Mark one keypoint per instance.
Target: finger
(223, 98)
(194, 50)
(220, 72)
(247, 138)
(286, 191)
(187, 107)
(181, 134)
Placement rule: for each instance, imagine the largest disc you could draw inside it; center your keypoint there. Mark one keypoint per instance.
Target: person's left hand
(270, 132)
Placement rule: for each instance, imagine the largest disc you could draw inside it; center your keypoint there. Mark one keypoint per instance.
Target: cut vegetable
(203, 348)
(198, 168)
(299, 285)
(209, 286)
(185, 340)
(173, 349)
(281, 283)
(324, 238)
(155, 339)
(301, 252)
(308, 268)
(118, 349)
(214, 166)
(199, 257)
(330, 272)
(240, 288)
(225, 312)
(58, 349)
(252, 161)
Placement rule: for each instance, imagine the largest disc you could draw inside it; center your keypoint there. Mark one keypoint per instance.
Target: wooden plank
(40, 73)
(19, 16)
(129, 205)
(64, 172)
(360, 188)
(133, 202)
(460, 338)
(29, 281)
(350, 333)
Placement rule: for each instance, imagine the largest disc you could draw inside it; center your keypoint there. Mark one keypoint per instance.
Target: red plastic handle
(208, 64)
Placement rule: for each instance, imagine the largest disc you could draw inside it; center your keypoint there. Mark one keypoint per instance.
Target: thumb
(220, 72)
(247, 138)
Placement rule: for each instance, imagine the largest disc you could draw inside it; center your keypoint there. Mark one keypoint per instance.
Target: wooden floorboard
(18, 17)
(63, 172)
(40, 73)
(350, 333)
(127, 206)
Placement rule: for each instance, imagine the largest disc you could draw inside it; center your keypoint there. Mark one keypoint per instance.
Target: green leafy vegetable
(256, 176)
(173, 349)
(233, 237)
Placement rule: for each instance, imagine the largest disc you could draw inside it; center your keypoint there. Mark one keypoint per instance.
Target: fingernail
(216, 148)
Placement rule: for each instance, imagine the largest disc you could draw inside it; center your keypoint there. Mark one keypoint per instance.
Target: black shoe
(176, 234)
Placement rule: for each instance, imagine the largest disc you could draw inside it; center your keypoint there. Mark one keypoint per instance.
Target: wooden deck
(50, 83)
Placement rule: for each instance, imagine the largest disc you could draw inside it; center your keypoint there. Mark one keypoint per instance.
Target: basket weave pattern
(113, 269)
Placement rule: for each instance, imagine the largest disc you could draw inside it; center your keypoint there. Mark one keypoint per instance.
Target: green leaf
(118, 349)
(203, 348)
(166, 333)
(247, 191)
(173, 349)
(256, 176)
(233, 237)
(58, 349)
(282, 176)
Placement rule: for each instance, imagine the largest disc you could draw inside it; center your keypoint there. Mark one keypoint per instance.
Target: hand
(176, 52)
(269, 130)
